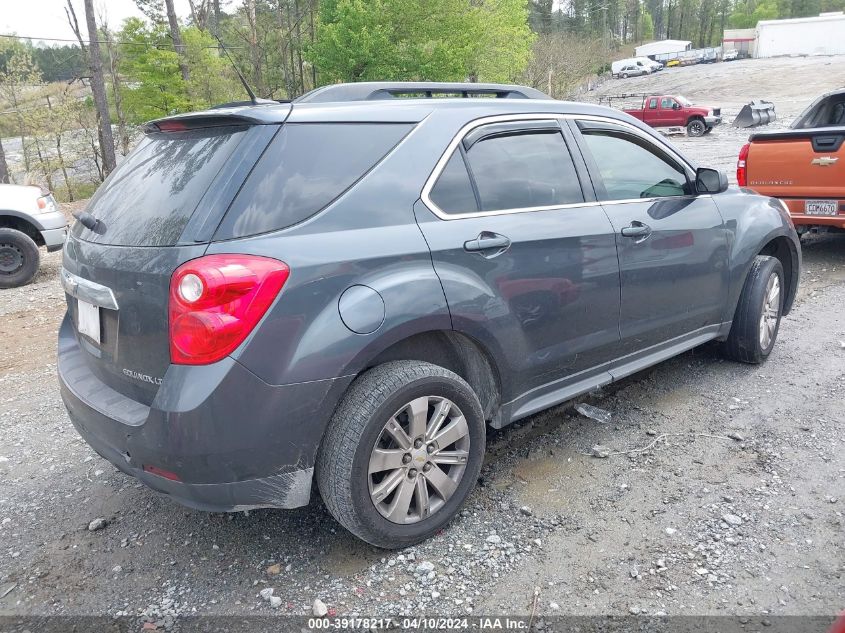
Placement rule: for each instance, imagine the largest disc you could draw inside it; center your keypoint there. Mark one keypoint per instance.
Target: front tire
(19, 258)
(401, 453)
(696, 127)
(757, 318)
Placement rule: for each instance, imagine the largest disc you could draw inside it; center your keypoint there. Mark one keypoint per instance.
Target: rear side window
(523, 171)
(453, 191)
(149, 198)
(306, 167)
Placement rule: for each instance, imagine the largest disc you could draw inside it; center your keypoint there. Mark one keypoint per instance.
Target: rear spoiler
(222, 116)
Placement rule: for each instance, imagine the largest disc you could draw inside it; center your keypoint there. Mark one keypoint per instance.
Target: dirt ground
(723, 494)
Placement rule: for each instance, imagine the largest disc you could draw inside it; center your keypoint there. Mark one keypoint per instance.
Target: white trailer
(822, 35)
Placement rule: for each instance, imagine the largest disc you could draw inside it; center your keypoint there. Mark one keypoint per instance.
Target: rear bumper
(799, 218)
(233, 441)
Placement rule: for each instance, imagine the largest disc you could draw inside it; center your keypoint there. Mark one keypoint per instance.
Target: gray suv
(352, 287)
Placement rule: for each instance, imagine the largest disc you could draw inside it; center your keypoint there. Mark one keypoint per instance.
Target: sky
(46, 18)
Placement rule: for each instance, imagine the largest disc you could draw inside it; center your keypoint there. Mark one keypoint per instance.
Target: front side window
(632, 168)
(522, 171)
(667, 102)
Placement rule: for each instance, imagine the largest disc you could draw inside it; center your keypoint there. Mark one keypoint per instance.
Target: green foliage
(152, 86)
(151, 82)
(436, 40)
(747, 14)
(212, 81)
(646, 26)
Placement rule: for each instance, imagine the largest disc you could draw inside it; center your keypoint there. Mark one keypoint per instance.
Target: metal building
(822, 35)
(661, 47)
(743, 41)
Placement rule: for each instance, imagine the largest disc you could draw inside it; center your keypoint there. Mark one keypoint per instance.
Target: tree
(18, 74)
(4, 168)
(503, 46)
(562, 60)
(98, 89)
(646, 27)
(176, 36)
(445, 40)
(153, 85)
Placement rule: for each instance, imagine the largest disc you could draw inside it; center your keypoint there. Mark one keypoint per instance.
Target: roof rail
(375, 90)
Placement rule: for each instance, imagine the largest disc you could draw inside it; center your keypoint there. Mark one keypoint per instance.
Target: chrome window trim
(501, 118)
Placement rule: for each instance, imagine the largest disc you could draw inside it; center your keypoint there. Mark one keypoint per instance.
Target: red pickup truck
(675, 111)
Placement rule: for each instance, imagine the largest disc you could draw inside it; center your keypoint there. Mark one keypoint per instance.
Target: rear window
(149, 198)
(305, 168)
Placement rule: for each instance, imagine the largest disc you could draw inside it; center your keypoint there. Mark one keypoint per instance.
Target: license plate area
(88, 320)
(820, 207)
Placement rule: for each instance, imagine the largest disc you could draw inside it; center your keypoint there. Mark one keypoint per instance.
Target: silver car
(29, 218)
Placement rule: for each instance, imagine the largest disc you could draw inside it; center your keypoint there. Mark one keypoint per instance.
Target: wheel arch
(453, 351)
(784, 250)
(18, 223)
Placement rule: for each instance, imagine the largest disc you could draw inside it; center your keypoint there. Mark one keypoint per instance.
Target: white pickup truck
(29, 219)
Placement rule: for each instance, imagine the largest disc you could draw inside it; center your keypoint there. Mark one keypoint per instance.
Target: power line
(75, 41)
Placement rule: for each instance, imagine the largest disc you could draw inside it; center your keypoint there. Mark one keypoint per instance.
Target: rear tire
(352, 471)
(696, 127)
(757, 318)
(19, 258)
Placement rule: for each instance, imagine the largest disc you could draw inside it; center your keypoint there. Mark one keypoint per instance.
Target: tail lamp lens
(742, 166)
(216, 301)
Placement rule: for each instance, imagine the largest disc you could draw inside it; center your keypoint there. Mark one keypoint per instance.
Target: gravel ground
(722, 492)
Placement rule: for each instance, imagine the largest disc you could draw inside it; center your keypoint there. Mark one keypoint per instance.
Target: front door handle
(637, 229)
(487, 242)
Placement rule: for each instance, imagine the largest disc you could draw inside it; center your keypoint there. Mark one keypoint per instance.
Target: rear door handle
(486, 242)
(637, 229)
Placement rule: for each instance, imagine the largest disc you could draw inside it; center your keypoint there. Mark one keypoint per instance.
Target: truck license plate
(89, 320)
(820, 207)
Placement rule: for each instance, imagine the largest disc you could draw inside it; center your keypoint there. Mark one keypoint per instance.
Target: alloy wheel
(418, 459)
(771, 312)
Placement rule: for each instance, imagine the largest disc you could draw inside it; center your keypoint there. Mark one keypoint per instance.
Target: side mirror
(710, 180)
(676, 106)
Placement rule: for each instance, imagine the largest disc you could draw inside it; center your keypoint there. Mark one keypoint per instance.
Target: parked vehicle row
(634, 67)
(266, 296)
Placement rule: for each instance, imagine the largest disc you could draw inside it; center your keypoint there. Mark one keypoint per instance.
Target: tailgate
(156, 211)
(125, 293)
(805, 164)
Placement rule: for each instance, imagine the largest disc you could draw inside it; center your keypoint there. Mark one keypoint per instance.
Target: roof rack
(375, 90)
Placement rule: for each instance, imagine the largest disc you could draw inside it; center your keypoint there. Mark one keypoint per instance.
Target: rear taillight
(216, 301)
(742, 166)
